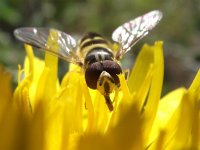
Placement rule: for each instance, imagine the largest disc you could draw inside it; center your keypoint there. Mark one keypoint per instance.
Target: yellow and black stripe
(91, 41)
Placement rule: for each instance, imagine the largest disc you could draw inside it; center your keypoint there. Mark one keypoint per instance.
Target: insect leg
(126, 73)
(108, 102)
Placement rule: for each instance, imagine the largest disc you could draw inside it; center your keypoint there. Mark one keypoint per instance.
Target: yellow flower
(45, 115)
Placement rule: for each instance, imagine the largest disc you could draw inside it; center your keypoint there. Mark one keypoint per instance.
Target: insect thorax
(98, 54)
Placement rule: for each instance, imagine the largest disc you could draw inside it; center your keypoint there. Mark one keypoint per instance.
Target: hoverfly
(93, 53)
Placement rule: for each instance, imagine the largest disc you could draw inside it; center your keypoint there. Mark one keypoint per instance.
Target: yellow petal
(178, 119)
(51, 63)
(195, 86)
(155, 90)
(195, 134)
(93, 141)
(10, 127)
(146, 77)
(140, 69)
(127, 133)
(21, 97)
(5, 96)
(57, 125)
(33, 69)
(166, 119)
(142, 93)
(184, 125)
(5, 86)
(40, 94)
(29, 62)
(73, 96)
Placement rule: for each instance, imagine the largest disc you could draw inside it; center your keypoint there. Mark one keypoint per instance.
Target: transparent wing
(131, 32)
(47, 39)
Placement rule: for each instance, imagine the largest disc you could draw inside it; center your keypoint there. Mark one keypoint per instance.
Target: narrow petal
(50, 86)
(196, 83)
(140, 69)
(155, 88)
(73, 95)
(21, 97)
(56, 125)
(29, 62)
(195, 134)
(142, 93)
(32, 69)
(184, 125)
(166, 118)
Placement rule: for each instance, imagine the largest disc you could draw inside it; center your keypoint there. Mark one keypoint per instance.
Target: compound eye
(113, 69)
(94, 70)
(92, 74)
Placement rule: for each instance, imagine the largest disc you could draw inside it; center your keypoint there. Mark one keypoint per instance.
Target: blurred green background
(179, 29)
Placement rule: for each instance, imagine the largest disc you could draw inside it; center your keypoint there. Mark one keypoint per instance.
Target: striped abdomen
(93, 47)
